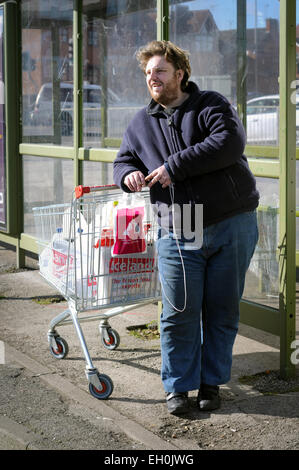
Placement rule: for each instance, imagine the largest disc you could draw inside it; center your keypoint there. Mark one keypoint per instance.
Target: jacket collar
(155, 108)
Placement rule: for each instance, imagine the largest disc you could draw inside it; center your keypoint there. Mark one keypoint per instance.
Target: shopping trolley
(98, 251)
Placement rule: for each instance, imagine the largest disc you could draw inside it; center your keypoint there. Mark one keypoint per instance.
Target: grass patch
(45, 300)
(247, 379)
(148, 331)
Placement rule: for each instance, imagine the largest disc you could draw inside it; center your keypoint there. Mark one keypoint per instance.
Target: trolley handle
(80, 190)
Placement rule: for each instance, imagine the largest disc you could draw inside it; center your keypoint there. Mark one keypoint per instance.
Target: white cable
(171, 191)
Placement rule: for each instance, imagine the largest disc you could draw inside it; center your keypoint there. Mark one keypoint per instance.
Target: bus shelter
(69, 85)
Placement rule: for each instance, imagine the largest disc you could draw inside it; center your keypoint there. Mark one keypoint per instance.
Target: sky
(224, 12)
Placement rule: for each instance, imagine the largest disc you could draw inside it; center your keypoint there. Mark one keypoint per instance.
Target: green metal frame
(12, 108)
(241, 60)
(163, 20)
(287, 157)
(269, 162)
(78, 90)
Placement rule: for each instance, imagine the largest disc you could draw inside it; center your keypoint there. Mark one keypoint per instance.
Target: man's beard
(169, 93)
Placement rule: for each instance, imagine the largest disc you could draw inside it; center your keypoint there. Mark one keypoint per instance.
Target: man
(187, 145)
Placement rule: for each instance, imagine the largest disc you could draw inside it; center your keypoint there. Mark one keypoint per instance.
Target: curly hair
(172, 53)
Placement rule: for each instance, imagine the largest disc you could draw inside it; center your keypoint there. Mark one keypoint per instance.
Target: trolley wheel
(113, 341)
(62, 348)
(107, 389)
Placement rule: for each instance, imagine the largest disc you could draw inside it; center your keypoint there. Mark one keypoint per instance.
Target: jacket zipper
(173, 134)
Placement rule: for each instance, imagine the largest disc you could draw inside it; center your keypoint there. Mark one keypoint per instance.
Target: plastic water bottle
(60, 252)
(58, 243)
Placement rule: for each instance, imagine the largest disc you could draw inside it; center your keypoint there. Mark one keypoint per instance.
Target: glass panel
(97, 173)
(208, 30)
(46, 181)
(114, 85)
(209, 33)
(47, 71)
(262, 282)
(262, 72)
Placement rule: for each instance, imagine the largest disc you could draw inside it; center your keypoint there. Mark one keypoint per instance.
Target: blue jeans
(197, 343)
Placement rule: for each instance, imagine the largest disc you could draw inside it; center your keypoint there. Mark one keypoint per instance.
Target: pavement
(45, 403)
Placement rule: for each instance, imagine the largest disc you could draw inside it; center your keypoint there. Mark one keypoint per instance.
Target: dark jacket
(202, 144)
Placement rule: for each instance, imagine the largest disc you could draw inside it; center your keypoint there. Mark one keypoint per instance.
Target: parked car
(42, 114)
(263, 120)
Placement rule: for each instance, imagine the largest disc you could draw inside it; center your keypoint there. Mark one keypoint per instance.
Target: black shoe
(177, 402)
(208, 397)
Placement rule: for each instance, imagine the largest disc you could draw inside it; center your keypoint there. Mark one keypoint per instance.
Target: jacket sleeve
(223, 146)
(126, 162)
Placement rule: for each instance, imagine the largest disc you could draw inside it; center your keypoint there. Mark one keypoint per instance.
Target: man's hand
(135, 181)
(159, 174)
